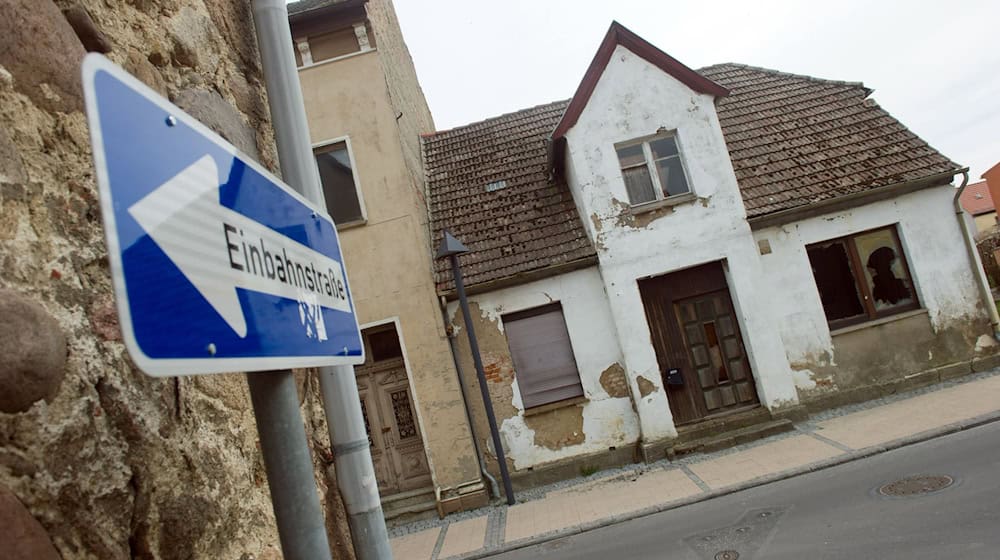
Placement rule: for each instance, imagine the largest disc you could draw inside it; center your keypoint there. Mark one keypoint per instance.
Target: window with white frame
(542, 355)
(652, 168)
(336, 171)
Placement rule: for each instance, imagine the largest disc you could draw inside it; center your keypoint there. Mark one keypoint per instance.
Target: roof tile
(530, 224)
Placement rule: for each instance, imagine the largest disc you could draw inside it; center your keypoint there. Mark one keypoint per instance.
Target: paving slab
(762, 460)
(464, 536)
(415, 546)
(880, 425)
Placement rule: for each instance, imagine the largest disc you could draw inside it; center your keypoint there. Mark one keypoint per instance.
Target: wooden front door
(695, 334)
(397, 446)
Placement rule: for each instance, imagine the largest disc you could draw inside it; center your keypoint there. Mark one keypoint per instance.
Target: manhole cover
(916, 485)
(727, 555)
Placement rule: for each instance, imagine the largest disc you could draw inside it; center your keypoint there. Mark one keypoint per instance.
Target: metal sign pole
(289, 466)
(353, 461)
(275, 398)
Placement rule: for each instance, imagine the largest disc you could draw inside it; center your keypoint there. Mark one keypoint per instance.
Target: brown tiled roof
(529, 224)
(793, 140)
(976, 199)
(796, 140)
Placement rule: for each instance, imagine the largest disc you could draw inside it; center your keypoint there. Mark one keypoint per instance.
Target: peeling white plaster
(634, 99)
(932, 243)
(607, 421)
(803, 379)
(985, 342)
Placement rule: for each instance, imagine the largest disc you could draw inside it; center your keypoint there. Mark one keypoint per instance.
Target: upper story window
(332, 45)
(652, 169)
(862, 277)
(336, 171)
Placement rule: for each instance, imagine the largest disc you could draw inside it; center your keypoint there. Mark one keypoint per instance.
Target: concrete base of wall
(573, 467)
(471, 499)
(913, 381)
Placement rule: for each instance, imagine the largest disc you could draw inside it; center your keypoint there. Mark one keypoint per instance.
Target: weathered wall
(413, 117)
(946, 332)
(985, 222)
(634, 99)
(115, 464)
(605, 419)
(388, 257)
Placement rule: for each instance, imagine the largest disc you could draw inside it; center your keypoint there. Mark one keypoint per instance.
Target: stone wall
(112, 463)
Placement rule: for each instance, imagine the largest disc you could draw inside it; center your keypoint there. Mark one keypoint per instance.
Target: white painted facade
(607, 421)
(634, 99)
(775, 296)
(934, 249)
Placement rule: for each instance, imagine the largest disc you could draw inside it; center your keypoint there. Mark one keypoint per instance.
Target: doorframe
(415, 398)
(748, 347)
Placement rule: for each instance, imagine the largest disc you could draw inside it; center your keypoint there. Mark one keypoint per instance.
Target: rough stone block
(86, 30)
(214, 112)
(953, 371)
(986, 363)
(140, 67)
(22, 537)
(38, 47)
(32, 353)
(11, 167)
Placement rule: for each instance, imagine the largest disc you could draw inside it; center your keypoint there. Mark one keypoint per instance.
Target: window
(337, 174)
(543, 357)
(862, 277)
(652, 169)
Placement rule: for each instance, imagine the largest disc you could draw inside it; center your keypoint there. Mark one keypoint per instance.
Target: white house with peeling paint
(674, 255)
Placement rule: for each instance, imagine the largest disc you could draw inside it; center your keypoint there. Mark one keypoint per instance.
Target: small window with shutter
(543, 357)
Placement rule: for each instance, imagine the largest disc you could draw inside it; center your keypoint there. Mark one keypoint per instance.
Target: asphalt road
(834, 513)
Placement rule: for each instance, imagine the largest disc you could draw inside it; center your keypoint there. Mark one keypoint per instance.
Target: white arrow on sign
(220, 250)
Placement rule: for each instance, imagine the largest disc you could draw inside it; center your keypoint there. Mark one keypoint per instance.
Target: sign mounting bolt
(171, 120)
(210, 348)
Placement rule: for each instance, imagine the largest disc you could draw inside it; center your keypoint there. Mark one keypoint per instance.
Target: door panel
(716, 351)
(693, 328)
(405, 446)
(397, 446)
(373, 425)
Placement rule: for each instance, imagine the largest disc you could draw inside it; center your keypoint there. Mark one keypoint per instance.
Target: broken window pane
(831, 268)
(885, 272)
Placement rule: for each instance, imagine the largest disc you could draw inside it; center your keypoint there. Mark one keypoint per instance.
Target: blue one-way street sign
(217, 265)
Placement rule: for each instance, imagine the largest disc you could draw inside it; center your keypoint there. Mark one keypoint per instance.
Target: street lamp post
(452, 248)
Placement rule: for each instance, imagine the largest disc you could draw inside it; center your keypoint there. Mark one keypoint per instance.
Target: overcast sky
(933, 65)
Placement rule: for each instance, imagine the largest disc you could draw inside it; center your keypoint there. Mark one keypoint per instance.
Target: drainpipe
(494, 486)
(977, 264)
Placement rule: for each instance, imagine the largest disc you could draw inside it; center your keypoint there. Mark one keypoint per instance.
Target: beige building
(366, 114)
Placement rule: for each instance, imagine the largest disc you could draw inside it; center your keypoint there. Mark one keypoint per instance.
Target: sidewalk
(827, 439)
